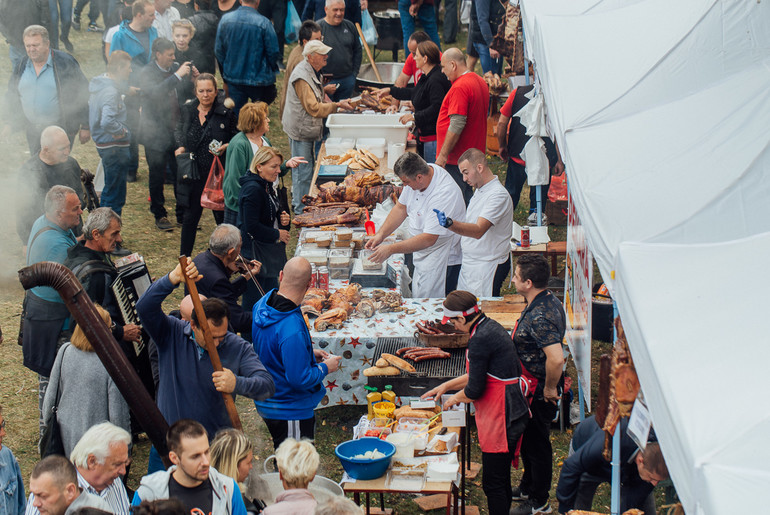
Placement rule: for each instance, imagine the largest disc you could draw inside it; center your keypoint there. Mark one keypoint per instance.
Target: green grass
(18, 390)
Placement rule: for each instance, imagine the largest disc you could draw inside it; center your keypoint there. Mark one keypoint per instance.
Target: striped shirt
(114, 495)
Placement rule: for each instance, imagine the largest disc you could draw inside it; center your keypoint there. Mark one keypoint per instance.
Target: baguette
(399, 363)
(382, 363)
(408, 411)
(381, 371)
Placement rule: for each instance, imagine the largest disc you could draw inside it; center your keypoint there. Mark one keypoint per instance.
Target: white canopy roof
(661, 111)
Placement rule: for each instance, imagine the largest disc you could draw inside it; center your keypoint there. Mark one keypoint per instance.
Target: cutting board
(509, 304)
(507, 320)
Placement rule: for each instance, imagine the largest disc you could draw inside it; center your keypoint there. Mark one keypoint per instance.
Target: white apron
(430, 270)
(477, 277)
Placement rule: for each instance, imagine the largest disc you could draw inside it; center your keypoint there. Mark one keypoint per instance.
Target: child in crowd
(12, 498)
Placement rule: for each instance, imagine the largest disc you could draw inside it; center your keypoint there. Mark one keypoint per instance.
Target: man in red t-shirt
(462, 120)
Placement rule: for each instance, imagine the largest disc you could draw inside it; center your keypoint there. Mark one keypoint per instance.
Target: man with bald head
(282, 341)
(52, 165)
(462, 119)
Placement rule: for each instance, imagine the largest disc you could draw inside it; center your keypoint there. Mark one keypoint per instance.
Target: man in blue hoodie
(282, 340)
(109, 130)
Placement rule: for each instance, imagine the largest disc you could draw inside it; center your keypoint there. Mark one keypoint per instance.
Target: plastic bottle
(389, 395)
(372, 398)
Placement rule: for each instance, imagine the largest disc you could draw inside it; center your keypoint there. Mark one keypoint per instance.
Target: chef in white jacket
(434, 248)
(486, 232)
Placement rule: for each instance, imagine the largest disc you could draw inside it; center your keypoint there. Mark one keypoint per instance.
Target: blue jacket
(12, 500)
(185, 389)
(282, 341)
(107, 113)
(247, 48)
(125, 40)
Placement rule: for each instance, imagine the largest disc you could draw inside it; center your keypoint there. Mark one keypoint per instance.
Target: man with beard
(191, 479)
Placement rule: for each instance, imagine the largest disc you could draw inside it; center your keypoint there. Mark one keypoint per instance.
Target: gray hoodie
(226, 493)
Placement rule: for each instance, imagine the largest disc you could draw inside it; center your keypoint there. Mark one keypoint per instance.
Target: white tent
(661, 111)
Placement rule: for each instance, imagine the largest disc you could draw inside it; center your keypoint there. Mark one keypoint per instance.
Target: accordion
(132, 281)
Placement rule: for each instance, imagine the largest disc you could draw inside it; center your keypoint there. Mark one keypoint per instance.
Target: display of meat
(418, 354)
(366, 308)
(338, 301)
(367, 196)
(332, 318)
(363, 179)
(434, 328)
(316, 216)
(623, 386)
(351, 292)
(370, 102)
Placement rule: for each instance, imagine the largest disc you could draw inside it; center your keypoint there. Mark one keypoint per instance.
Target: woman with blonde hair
(85, 391)
(261, 220)
(253, 122)
(232, 454)
(297, 465)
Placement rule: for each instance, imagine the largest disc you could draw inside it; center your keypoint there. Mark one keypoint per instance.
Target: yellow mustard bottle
(389, 395)
(372, 398)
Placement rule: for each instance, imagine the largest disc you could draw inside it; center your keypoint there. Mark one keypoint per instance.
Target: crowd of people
(160, 90)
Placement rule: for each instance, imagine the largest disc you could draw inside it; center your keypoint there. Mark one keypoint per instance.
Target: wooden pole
(203, 323)
(368, 52)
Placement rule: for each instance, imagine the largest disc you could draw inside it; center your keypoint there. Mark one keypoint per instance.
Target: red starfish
(378, 320)
(331, 385)
(354, 342)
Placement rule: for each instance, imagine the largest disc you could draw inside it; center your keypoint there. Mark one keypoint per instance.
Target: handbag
(51, 442)
(271, 255)
(293, 23)
(187, 168)
(213, 196)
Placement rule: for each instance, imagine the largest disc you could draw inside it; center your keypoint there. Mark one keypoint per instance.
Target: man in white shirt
(165, 16)
(434, 248)
(100, 458)
(486, 234)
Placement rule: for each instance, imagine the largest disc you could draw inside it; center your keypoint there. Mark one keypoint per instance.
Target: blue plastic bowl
(365, 469)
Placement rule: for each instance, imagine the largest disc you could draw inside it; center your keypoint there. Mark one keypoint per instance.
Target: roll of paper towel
(395, 150)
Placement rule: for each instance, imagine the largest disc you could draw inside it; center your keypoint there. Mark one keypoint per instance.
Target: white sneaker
(532, 219)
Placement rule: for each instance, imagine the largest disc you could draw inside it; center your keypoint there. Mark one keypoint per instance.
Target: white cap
(315, 47)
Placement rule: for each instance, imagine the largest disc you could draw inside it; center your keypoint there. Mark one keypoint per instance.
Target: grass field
(18, 386)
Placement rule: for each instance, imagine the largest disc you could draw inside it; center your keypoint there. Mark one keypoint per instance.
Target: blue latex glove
(442, 218)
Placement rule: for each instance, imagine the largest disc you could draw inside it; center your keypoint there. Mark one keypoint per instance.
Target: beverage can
(313, 276)
(323, 278)
(525, 237)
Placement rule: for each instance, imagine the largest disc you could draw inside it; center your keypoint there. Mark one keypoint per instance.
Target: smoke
(14, 152)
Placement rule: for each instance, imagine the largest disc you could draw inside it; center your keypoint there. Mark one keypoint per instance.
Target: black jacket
(257, 214)
(160, 92)
(17, 16)
(588, 445)
(222, 125)
(97, 277)
(202, 45)
(34, 180)
(494, 10)
(71, 88)
(216, 284)
(426, 97)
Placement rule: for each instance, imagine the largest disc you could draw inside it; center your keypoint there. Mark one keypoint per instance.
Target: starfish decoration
(366, 361)
(354, 342)
(331, 385)
(378, 320)
(342, 402)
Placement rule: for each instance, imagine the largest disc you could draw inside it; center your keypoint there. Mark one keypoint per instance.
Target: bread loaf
(381, 371)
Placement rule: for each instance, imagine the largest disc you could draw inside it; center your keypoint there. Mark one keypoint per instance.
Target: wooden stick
(203, 323)
(368, 52)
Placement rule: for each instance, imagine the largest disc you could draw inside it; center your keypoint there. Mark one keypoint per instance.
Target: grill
(430, 373)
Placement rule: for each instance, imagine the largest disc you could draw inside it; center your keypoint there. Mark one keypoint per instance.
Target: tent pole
(539, 198)
(581, 400)
(615, 483)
